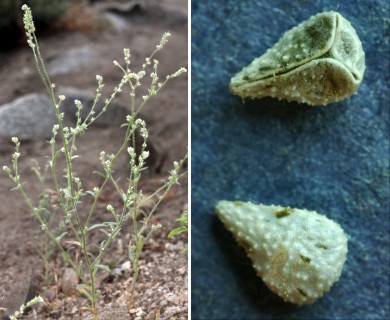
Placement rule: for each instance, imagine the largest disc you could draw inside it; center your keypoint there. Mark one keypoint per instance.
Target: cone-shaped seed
(299, 254)
(318, 62)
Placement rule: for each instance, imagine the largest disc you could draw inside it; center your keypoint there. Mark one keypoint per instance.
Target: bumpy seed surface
(299, 254)
(318, 62)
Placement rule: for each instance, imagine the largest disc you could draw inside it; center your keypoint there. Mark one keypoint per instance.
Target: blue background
(332, 159)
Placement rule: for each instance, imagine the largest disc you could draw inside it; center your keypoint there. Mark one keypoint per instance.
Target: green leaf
(104, 267)
(85, 290)
(176, 231)
(183, 219)
(100, 226)
(81, 269)
(61, 236)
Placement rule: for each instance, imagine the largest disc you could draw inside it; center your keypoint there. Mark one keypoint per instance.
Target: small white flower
(164, 40)
(107, 164)
(144, 133)
(178, 73)
(131, 152)
(6, 169)
(156, 227)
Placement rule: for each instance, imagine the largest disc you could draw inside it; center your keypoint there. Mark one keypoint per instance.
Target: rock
(122, 6)
(120, 14)
(30, 116)
(151, 315)
(126, 267)
(70, 61)
(183, 298)
(69, 281)
(116, 22)
(171, 297)
(49, 294)
(174, 247)
(171, 311)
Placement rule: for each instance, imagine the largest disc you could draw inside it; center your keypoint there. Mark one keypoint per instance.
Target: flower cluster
(29, 25)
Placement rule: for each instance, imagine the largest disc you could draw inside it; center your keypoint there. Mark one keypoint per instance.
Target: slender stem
(92, 210)
(48, 232)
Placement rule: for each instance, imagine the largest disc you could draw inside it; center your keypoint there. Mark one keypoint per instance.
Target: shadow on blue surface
(256, 292)
(287, 113)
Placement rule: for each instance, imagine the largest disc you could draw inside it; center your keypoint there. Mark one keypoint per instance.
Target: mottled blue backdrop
(333, 159)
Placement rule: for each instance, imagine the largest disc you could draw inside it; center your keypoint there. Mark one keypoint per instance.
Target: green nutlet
(318, 62)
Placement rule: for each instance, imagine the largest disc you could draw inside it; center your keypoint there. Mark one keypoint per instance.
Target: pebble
(69, 281)
(126, 266)
(163, 303)
(151, 315)
(49, 294)
(171, 311)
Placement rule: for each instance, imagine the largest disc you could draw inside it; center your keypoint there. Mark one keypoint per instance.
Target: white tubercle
(298, 253)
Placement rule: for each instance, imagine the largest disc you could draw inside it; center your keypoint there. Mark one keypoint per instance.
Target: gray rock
(117, 22)
(172, 311)
(30, 116)
(69, 281)
(120, 14)
(49, 294)
(122, 6)
(114, 116)
(72, 60)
